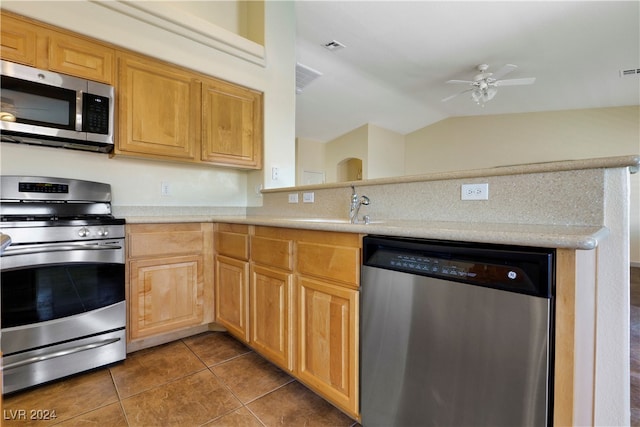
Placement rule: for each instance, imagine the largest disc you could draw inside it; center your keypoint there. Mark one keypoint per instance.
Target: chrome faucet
(356, 202)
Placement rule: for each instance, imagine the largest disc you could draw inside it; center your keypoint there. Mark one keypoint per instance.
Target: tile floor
(205, 380)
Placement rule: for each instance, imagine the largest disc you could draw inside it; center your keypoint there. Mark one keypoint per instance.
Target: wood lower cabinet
(327, 287)
(298, 305)
(166, 294)
(232, 278)
(232, 296)
(328, 341)
(169, 279)
(271, 314)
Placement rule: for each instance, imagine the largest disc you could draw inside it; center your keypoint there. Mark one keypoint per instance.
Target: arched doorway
(350, 169)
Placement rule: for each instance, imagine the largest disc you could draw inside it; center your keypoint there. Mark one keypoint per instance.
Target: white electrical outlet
(165, 189)
(308, 197)
(475, 192)
(275, 173)
(293, 198)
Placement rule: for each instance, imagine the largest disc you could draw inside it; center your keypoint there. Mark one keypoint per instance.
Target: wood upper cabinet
(170, 277)
(18, 40)
(232, 279)
(170, 113)
(158, 109)
(64, 52)
(231, 125)
(81, 58)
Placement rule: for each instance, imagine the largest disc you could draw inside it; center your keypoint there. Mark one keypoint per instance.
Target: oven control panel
(22, 235)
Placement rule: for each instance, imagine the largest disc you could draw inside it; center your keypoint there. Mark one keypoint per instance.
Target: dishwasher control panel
(524, 270)
(453, 269)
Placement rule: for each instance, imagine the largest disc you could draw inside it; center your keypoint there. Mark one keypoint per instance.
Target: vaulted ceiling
(398, 56)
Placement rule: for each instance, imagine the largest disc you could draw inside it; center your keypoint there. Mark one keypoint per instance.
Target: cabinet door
(231, 125)
(166, 295)
(271, 315)
(18, 41)
(328, 341)
(81, 58)
(158, 110)
(231, 296)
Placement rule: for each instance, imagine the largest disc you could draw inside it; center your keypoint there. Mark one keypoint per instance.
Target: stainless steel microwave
(47, 108)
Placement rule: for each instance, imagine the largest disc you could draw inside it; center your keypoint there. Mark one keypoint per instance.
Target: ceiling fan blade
(455, 94)
(503, 71)
(516, 82)
(466, 82)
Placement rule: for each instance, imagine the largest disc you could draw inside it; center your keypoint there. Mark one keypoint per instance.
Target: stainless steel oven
(63, 279)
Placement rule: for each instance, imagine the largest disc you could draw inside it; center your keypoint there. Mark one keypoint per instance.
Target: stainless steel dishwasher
(455, 334)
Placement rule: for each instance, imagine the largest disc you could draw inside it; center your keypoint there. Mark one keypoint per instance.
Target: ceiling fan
(484, 85)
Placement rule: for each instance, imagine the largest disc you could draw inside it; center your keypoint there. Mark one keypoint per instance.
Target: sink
(331, 221)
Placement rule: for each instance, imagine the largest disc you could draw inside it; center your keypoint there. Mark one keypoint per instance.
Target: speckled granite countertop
(574, 188)
(550, 236)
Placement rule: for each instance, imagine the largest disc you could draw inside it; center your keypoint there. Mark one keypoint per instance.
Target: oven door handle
(16, 250)
(66, 352)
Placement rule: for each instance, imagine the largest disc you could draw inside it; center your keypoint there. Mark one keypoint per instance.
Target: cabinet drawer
(165, 240)
(273, 252)
(233, 245)
(331, 262)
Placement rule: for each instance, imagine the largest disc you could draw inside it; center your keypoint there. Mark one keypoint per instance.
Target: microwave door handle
(58, 248)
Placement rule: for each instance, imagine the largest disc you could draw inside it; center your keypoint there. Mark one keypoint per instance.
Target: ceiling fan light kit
(484, 84)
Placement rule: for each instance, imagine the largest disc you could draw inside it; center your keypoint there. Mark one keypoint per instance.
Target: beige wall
(352, 144)
(386, 153)
(137, 182)
(476, 142)
(309, 157)
(381, 151)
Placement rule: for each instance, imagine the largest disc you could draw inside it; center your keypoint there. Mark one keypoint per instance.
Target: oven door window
(44, 293)
(37, 104)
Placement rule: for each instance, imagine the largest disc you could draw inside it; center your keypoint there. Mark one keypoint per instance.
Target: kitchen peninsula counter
(549, 236)
(582, 208)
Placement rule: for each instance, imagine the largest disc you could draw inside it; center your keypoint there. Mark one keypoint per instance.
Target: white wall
(461, 143)
(138, 181)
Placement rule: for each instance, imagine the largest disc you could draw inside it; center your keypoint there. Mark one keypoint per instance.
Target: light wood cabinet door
(18, 41)
(272, 328)
(231, 125)
(166, 294)
(232, 296)
(158, 109)
(81, 58)
(328, 341)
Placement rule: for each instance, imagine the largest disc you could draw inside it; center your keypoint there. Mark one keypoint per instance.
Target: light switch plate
(293, 198)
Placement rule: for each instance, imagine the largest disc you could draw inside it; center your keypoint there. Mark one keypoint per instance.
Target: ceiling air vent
(630, 72)
(304, 76)
(334, 45)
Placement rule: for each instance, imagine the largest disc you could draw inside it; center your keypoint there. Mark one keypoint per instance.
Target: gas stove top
(45, 209)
